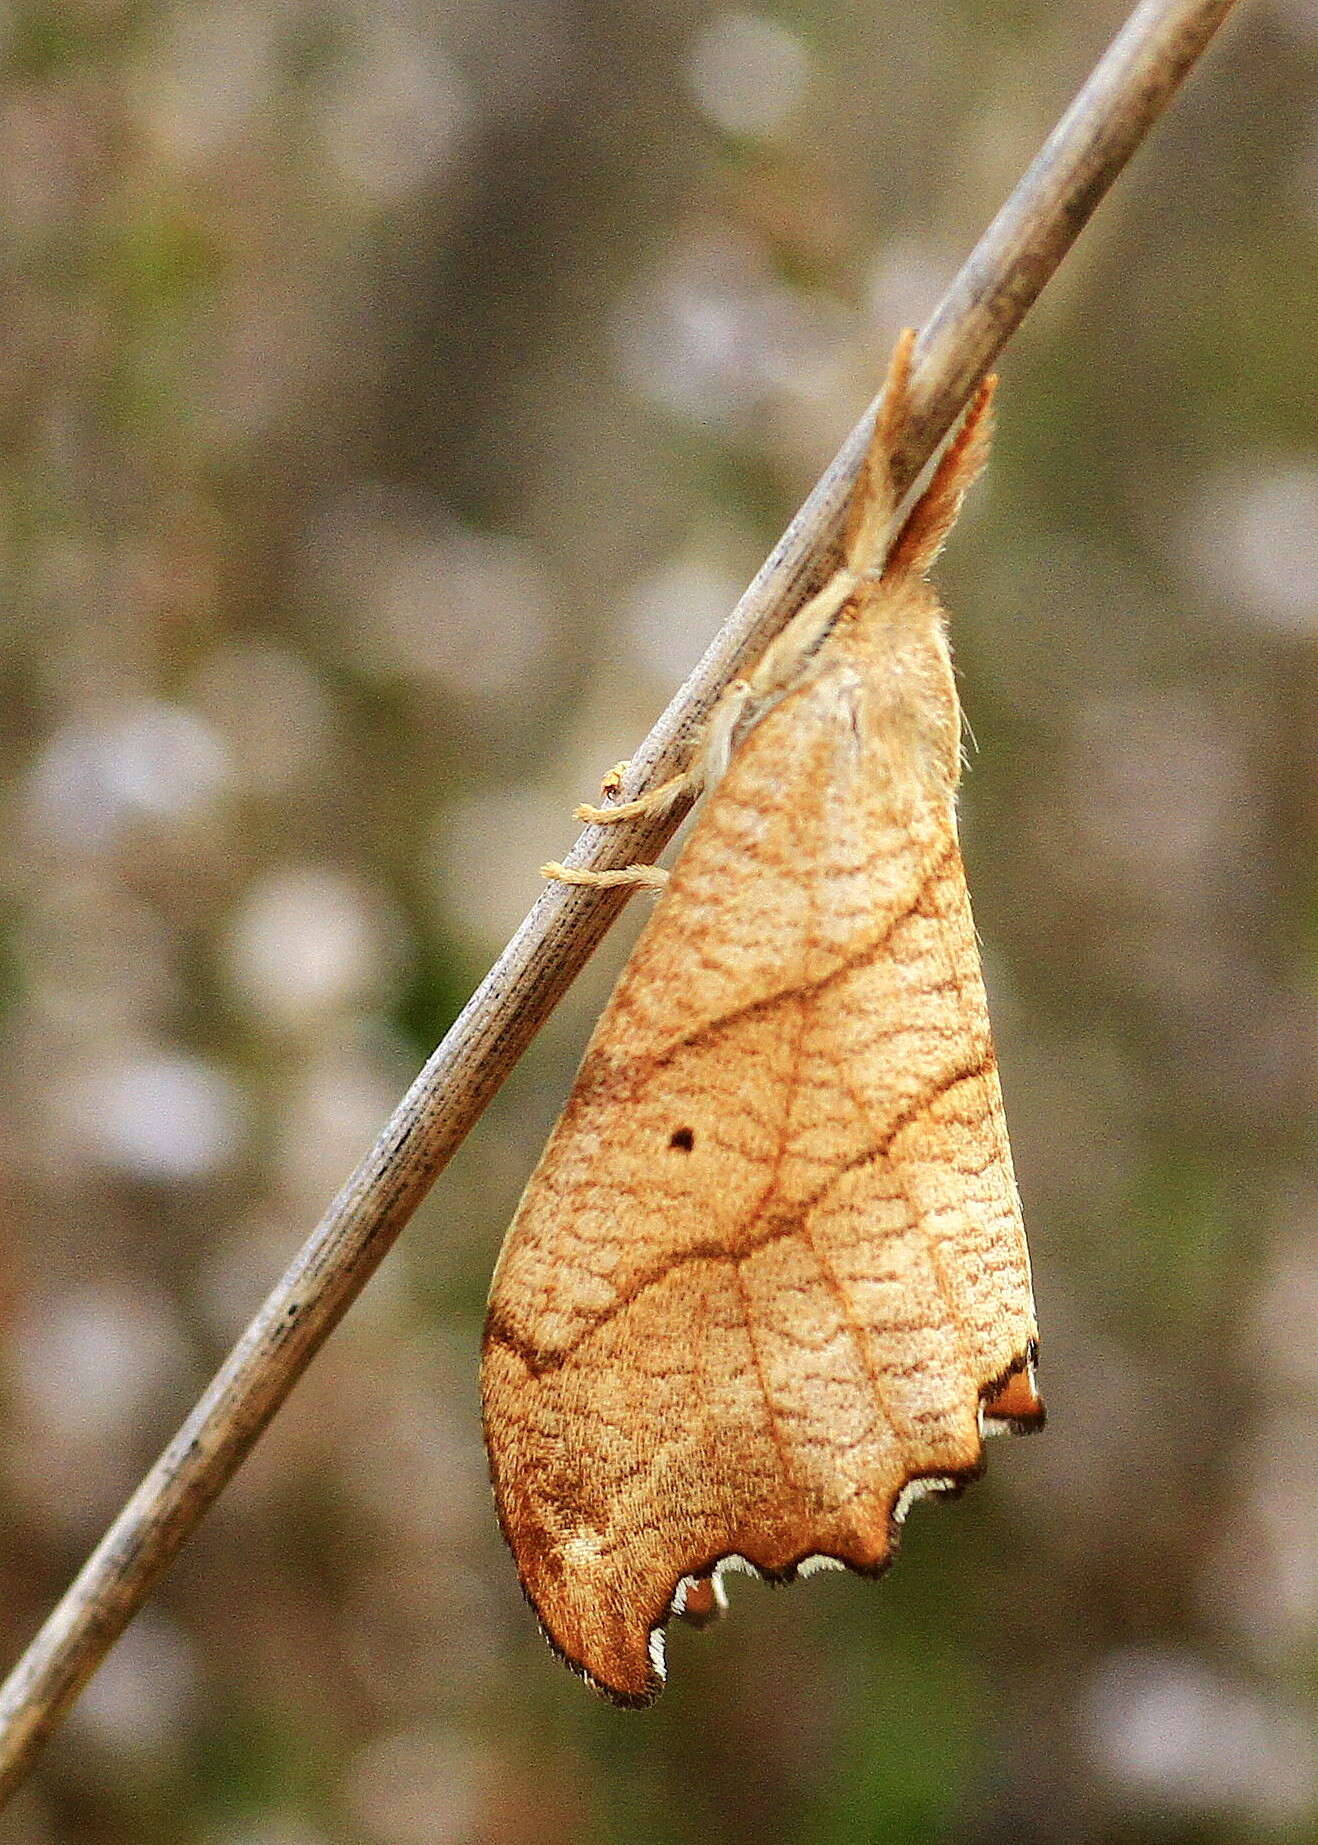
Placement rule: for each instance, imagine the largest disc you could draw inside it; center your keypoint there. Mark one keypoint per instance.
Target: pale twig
(1126, 92)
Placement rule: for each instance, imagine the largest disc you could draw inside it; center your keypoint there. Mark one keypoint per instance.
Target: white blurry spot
(486, 892)
(208, 75)
(715, 333)
(1253, 540)
(906, 284)
(673, 614)
(156, 764)
(142, 1698)
(747, 73)
(422, 596)
(1281, 1331)
(271, 710)
(156, 1115)
(417, 1787)
(1171, 1732)
(305, 943)
(467, 610)
(88, 1363)
(329, 1120)
(396, 111)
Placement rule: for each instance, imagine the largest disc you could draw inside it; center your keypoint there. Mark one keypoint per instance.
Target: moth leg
(706, 766)
(688, 782)
(633, 877)
(780, 665)
(611, 784)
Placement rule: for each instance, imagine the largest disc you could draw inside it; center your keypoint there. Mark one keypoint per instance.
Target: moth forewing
(769, 1279)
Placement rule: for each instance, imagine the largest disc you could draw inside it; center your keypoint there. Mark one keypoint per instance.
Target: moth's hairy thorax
(894, 638)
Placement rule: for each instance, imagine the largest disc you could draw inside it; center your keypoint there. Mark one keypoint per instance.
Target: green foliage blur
(394, 398)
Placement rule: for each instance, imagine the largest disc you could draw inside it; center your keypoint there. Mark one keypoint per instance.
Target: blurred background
(395, 396)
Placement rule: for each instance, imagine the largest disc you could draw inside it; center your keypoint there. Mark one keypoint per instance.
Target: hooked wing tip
(1012, 1402)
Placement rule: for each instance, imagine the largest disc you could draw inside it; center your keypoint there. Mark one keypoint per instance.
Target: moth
(769, 1283)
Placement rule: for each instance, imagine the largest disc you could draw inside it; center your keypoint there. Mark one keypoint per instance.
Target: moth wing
(771, 1262)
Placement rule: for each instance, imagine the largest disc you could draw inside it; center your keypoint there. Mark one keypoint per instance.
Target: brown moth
(768, 1283)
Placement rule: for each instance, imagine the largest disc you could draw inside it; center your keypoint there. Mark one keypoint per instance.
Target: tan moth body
(769, 1279)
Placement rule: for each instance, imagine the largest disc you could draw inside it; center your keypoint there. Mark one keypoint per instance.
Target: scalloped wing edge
(1018, 1421)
